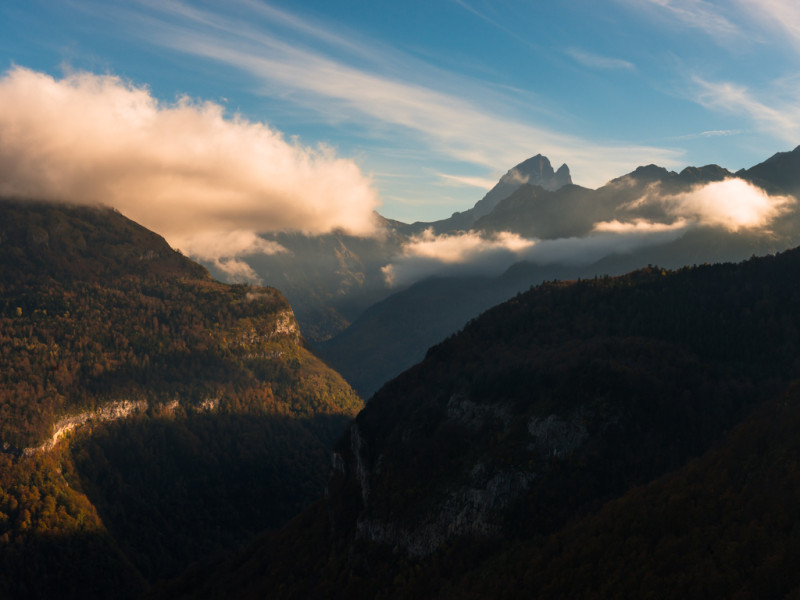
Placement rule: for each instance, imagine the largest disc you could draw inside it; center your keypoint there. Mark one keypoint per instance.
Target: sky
(310, 114)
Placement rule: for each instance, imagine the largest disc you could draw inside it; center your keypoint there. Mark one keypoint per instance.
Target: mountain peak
(704, 174)
(538, 167)
(650, 171)
(563, 176)
(536, 170)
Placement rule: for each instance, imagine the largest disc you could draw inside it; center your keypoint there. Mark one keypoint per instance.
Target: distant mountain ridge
(331, 280)
(377, 347)
(781, 170)
(535, 171)
(572, 211)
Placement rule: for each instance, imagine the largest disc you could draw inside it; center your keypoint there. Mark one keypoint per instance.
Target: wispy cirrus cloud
(492, 22)
(778, 114)
(709, 134)
(697, 14)
(737, 21)
(596, 61)
(482, 16)
(773, 107)
(777, 15)
(463, 180)
(384, 91)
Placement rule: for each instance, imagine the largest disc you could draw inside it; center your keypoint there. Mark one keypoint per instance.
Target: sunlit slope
(144, 404)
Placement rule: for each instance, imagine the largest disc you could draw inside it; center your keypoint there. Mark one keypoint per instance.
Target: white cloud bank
(225, 248)
(732, 204)
(207, 183)
(468, 253)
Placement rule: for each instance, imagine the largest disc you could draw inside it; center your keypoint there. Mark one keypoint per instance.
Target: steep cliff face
(716, 527)
(469, 500)
(459, 466)
(112, 411)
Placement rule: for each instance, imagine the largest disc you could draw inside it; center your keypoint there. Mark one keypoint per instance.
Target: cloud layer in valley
(206, 182)
(653, 219)
(463, 253)
(732, 203)
(468, 253)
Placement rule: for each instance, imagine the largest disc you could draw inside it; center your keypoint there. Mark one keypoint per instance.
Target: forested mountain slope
(149, 415)
(533, 417)
(723, 526)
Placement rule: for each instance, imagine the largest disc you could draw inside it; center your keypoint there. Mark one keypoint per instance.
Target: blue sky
(435, 100)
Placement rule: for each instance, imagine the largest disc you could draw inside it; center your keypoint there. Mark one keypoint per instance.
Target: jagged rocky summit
(536, 170)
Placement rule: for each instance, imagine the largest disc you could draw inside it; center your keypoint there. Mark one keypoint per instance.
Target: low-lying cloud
(225, 249)
(471, 253)
(600, 243)
(733, 204)
(207, 182)
(468, 252)
(639, 226)
(653, 219)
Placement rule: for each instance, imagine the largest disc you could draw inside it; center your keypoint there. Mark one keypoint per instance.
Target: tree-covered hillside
(532, 418)
(149, 415)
